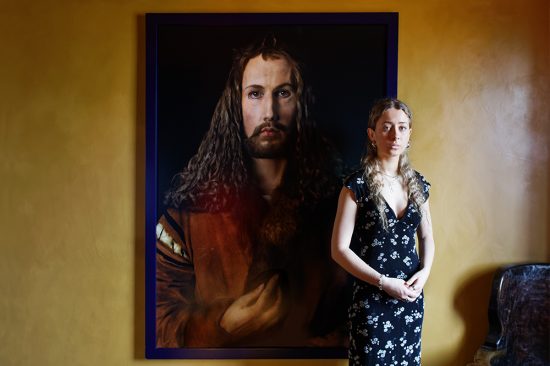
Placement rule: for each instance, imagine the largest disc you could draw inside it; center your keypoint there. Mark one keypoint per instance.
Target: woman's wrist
(380, 281)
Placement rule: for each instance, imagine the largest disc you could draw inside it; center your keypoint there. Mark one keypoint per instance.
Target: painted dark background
(345, 65)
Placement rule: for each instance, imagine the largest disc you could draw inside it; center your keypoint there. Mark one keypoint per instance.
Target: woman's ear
(370, 133)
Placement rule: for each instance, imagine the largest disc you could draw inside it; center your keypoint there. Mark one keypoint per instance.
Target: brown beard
(275, 150)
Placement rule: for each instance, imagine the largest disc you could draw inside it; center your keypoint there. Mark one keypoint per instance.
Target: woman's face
(391, 134)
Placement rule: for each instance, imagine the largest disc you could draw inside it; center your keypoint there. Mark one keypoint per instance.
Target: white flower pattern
(383, 330)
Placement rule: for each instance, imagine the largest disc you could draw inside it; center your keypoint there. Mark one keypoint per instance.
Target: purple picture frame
(368, 69)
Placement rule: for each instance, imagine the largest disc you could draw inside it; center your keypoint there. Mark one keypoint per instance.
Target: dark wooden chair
(519, 318)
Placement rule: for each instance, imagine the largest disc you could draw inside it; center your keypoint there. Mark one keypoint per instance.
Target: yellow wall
(72, 165)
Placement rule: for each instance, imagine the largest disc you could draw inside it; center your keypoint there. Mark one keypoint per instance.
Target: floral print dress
(383, 330)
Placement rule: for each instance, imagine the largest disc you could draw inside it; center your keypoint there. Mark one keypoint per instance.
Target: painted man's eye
(284, 93)
(254, 94)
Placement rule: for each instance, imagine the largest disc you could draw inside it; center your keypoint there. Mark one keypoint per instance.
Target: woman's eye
(402, 128)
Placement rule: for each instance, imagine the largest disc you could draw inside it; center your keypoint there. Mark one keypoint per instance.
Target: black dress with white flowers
(383, 330)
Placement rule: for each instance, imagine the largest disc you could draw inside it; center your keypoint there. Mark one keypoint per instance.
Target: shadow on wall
(472, 303)
(139, 196)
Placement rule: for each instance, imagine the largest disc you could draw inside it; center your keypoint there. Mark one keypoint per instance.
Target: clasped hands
(405, 290)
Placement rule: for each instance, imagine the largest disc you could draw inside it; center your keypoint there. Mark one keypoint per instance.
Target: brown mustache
(274, 125)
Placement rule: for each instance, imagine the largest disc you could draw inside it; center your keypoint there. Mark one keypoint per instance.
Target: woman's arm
(342, 232)
(426, 246)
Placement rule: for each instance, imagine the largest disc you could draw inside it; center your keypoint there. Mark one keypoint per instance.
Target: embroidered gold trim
(168, 241)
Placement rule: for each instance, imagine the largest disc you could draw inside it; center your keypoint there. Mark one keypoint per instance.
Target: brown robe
(207, 260)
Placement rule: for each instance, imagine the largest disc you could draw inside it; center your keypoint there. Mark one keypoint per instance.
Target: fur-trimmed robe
(206, 260)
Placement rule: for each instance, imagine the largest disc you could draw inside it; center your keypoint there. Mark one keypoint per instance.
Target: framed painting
(252, 122)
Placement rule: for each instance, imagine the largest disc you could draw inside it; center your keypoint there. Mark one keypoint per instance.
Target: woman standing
(380, 209)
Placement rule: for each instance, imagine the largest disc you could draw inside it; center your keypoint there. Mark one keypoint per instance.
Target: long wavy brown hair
(219, 174)
(371, 164)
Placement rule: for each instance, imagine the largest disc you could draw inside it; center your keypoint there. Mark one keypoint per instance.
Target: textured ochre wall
(72, 165)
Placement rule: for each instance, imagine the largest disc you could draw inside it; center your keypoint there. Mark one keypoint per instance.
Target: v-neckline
(393, 212)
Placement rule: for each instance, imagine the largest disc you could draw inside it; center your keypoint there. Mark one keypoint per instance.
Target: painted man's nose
(270, 110)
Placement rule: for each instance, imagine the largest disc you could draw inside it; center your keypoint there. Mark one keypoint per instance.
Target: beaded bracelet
(380, 281)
